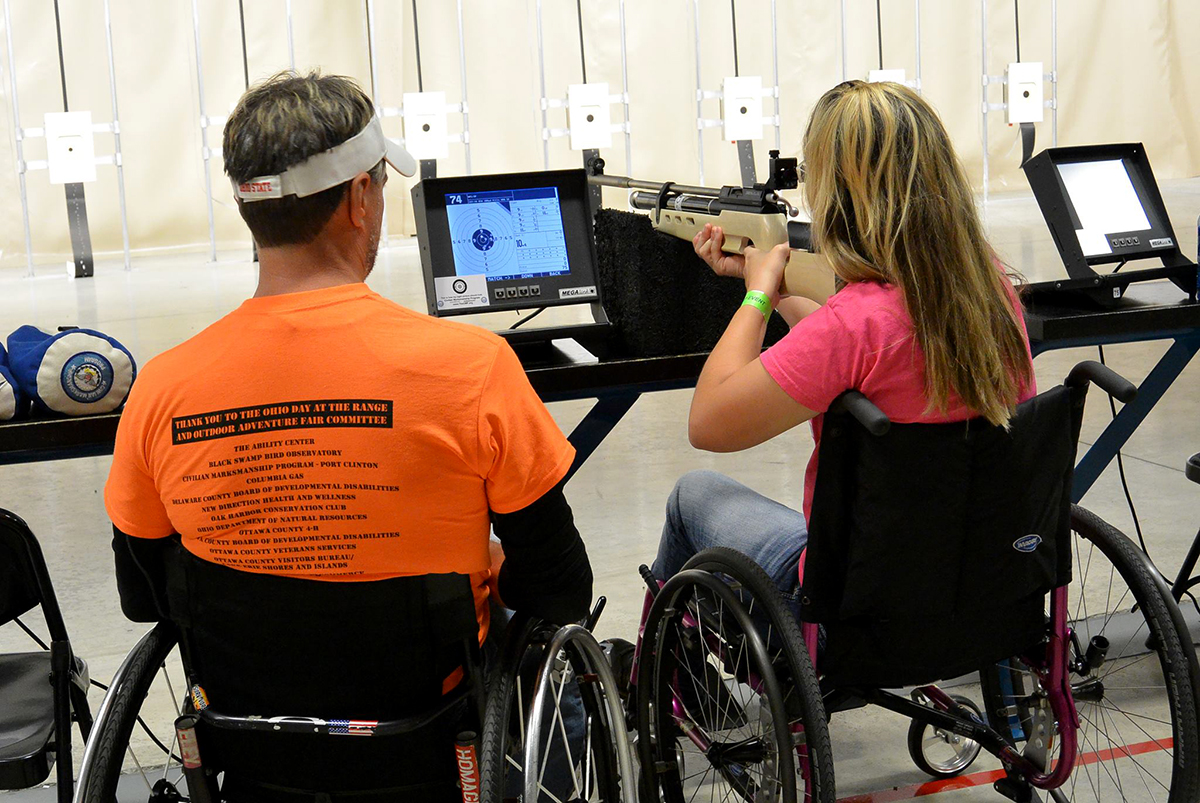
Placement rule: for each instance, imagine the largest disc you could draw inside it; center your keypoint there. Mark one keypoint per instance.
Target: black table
(1149, 311)
(614, 383)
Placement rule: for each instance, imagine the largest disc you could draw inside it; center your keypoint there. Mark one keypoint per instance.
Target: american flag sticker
(353, 727)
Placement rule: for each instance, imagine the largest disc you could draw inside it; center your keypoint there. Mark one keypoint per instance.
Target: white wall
(1126, 69)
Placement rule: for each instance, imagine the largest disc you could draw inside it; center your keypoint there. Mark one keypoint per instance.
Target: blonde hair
(890, 202)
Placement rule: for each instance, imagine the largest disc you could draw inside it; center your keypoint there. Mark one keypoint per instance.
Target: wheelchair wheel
(711, 712)
(554, 727)
(939, 752)
(151, 670)
(1133, 675)
(789, 659)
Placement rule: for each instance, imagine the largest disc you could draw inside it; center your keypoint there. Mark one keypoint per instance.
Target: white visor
(335, 166)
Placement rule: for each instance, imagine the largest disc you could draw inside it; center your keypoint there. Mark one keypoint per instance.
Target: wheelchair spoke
(1122, 740)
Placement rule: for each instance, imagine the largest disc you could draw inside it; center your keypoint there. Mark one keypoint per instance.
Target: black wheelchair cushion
(26, 719)
(263, 645)
(931, 548)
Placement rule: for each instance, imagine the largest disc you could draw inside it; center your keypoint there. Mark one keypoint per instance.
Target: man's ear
(357, 196)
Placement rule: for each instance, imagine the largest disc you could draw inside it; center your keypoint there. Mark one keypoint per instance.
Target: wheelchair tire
(741, 743)
(105, 753)
(795, 670)
(1138, 731)
(964, 756)
(510, 695)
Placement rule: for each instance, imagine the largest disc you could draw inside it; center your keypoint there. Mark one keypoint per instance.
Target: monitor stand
(533, 345)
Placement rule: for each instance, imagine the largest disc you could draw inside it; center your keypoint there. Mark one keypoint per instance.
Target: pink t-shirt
(862, 339)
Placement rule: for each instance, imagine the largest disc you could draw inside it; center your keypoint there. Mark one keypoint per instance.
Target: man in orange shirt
(322, 431)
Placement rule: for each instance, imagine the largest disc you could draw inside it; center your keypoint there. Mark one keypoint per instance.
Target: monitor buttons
(535, 290)
(499, 293)
(523, 292)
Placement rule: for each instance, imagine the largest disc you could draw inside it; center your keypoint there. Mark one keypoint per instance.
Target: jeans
(708, 509)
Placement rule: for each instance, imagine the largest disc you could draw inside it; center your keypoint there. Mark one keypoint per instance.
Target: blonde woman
(927, 324)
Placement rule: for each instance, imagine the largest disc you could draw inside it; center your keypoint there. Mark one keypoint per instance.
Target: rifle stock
(807, 274)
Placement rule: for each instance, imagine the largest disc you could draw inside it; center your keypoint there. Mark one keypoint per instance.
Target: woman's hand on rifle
(708, 243)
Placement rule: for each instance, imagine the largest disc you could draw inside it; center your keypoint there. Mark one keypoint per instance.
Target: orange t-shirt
(333, 434)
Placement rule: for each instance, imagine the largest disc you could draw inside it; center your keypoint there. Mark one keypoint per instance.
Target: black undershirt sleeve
(141, 576)
(546, 572)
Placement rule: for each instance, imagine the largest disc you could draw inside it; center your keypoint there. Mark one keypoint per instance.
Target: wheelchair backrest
(268, 645)
(931, 547)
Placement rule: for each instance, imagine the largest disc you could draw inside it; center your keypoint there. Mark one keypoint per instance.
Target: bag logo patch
(87, 377)
(1027, 543)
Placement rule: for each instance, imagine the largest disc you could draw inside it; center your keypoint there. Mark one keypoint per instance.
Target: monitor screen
(507, 234)
(1105, 202)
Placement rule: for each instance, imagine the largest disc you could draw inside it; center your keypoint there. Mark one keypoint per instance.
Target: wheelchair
(935, 551)
(266, 676)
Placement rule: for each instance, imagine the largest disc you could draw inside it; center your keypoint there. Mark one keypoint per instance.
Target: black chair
(40, 692)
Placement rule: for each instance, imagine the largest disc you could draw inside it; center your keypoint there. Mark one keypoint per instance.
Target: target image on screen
(507, 234)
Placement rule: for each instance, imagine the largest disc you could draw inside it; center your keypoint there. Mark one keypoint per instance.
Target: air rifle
(756, 215)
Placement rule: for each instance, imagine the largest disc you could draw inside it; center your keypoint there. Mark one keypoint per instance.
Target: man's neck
(313, 266)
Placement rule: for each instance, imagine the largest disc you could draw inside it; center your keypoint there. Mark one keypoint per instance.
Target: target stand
(589, 117)
(741, 98)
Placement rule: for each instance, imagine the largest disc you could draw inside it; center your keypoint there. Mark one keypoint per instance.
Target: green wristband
(760, 301)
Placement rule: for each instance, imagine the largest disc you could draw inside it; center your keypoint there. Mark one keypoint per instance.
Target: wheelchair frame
(1052, 667)
(471, 689)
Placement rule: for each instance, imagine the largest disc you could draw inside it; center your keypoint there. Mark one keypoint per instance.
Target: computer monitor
(1102, 205)
(506, 241)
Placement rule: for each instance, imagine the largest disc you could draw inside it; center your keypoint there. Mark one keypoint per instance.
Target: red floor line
(988, 777)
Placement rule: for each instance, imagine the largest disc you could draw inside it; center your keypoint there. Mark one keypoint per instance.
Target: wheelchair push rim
(700, 707)
(595, 663)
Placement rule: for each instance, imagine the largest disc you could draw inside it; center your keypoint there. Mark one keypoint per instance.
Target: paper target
(482, 237)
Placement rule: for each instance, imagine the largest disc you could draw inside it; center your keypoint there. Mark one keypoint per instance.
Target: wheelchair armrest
(1106, 378)
(864, 410)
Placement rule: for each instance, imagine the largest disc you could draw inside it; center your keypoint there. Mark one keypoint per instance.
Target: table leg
(1168, 369)
(595, 426)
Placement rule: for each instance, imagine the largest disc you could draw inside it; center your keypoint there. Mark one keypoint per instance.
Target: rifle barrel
(626, 183)
(701, 205)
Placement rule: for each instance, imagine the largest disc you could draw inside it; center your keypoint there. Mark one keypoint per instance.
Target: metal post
(699, 92)
(775, 69)
(542, 74)
(371, 54)
(12, 77)
(844, 67)
(917, 16)
(205, 152)
(462, 73)
(983, 51)
(375, 97)
(1054, 73)
(624, 92)
(291, 42)
(116, 128)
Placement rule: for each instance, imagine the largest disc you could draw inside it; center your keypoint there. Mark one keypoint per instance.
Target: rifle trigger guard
(661, 201)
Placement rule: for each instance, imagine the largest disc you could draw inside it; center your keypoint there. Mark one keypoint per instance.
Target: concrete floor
(618, 496)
